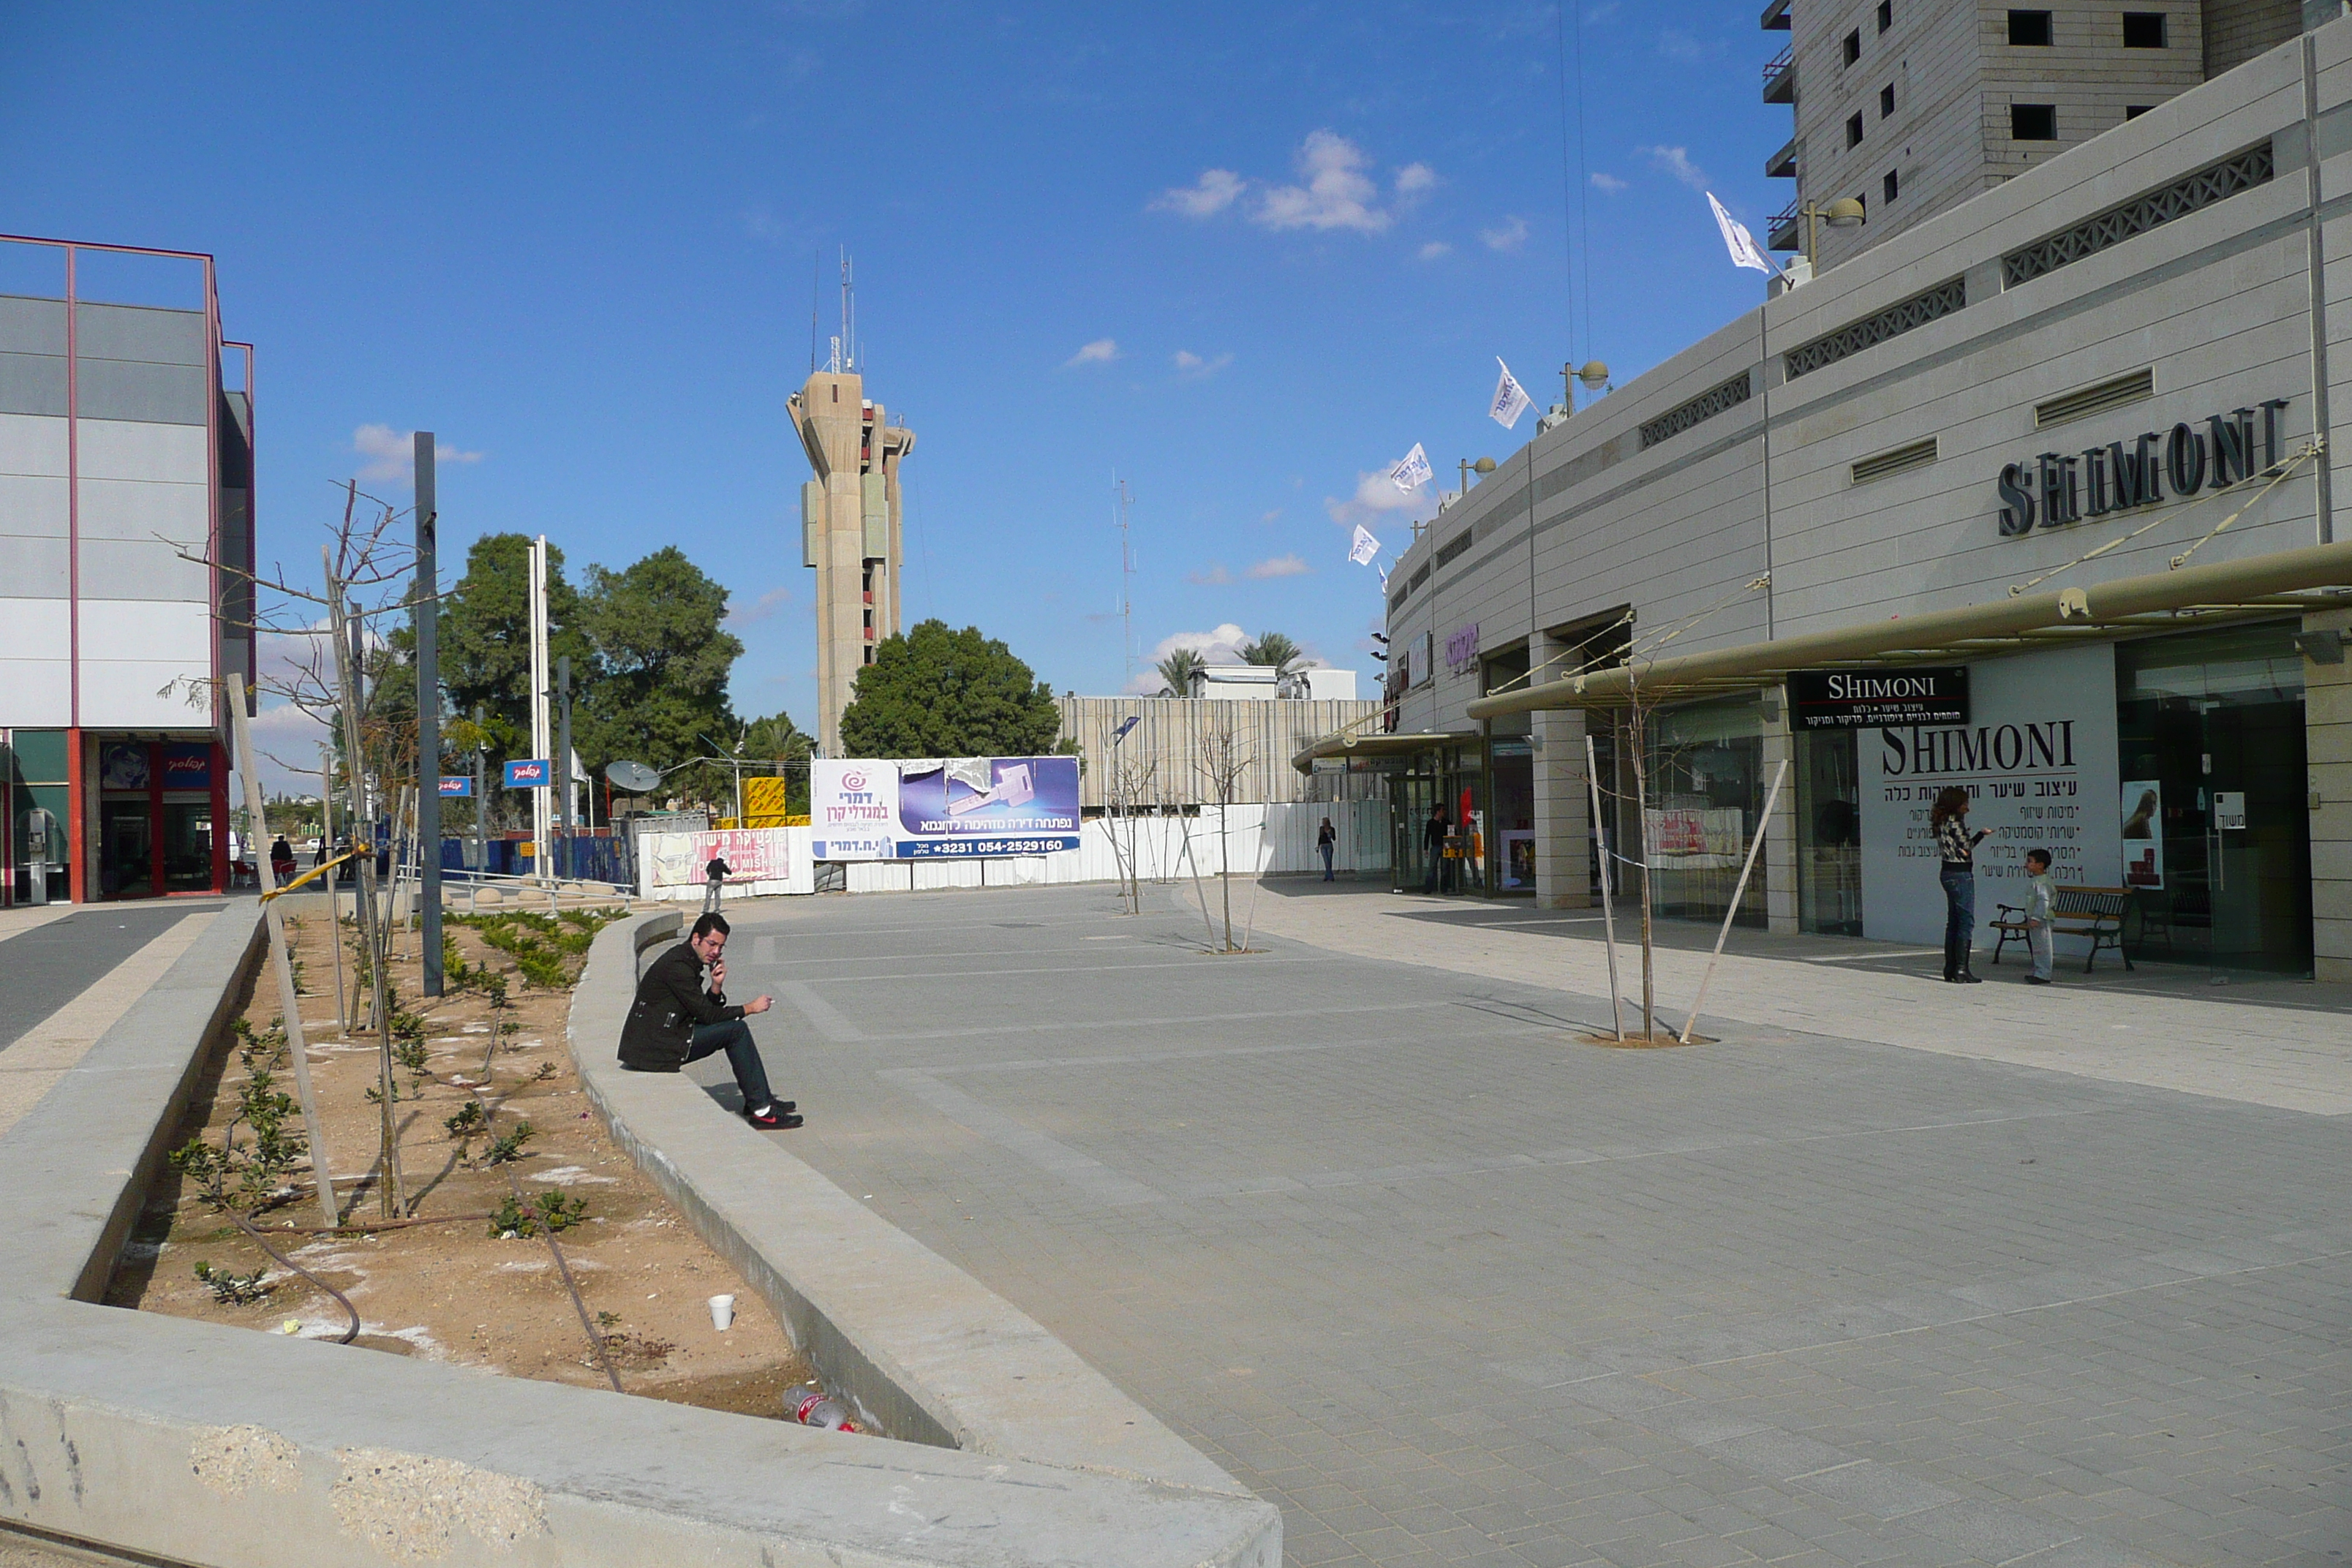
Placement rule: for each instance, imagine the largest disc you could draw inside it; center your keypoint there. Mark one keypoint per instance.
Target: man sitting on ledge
(676, 1021)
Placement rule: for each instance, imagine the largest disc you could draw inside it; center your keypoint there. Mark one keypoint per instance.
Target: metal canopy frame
(2312, 578)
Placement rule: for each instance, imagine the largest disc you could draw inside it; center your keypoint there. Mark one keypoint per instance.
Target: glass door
(2258, 839)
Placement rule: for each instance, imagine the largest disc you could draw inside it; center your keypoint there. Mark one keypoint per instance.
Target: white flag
(1363, 547)
(1511, 399)
(1738, 240)
(1413, 472)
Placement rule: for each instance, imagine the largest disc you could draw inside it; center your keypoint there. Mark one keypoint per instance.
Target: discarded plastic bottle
(810, 1405)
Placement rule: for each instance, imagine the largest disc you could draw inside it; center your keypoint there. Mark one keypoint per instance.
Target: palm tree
(1176, 672)
(1273, 648)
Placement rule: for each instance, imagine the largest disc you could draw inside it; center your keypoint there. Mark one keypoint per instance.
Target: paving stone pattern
(1393, 1247)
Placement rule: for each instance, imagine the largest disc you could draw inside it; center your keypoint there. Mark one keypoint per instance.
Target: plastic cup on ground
(722, 1312)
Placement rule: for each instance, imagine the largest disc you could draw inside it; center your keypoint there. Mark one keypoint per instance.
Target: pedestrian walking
(1326, 838)
(715, 875)
(1956, 848)
(1433, 835)
(281, 860)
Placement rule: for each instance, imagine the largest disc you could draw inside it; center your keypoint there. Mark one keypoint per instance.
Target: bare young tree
(1223, 761)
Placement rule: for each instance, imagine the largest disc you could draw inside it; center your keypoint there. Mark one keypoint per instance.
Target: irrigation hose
(579, 1306)
(279, 1258)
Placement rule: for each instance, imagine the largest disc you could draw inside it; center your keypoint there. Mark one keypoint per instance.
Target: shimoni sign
(1868, 699)
(2060, 488)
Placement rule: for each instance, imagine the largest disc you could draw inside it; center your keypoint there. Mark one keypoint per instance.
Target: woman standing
(1326, 839)
(1956, 846)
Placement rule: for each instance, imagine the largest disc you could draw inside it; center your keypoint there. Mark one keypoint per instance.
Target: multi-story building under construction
(850, 533)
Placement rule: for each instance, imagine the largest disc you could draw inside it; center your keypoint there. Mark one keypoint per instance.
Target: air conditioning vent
(2084, 402)
(1899, 460)
(1453, 550)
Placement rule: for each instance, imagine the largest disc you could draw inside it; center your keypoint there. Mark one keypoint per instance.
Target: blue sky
(1299, 236)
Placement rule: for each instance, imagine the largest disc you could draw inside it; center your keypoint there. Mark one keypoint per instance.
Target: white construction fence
(1266, 840)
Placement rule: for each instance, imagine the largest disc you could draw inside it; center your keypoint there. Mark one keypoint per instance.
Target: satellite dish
(632, 778)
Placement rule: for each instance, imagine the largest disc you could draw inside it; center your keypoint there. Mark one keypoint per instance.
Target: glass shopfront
(2214, 798)
(1705, 790)
(1453, 778)
(1829, 832)
(159, 806)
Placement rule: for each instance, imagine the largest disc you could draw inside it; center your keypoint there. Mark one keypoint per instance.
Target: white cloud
(1679, 44)
(1414, 178)
(1280, 566)
(1102, 350)
(1220, 645)
(1214, 576)
(759, 609)
(1676, 161)
(1511, 236)
(1338, 193)
(1211, 194)
(1435, 248)
(1376, 493)
(1192, 367)
(392, 453)
(1607, 185)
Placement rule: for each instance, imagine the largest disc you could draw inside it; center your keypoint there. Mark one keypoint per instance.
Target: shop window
(2029, 29)
(1704, 793)
(2142, 29)
(1853, 46)
(1853, 130)
(2034, 122)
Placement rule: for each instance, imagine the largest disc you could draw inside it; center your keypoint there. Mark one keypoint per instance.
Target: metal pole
(563, 746)
(248, 763)
(1728, 915)
(482, 797)
(1608, 912)
(428, 715)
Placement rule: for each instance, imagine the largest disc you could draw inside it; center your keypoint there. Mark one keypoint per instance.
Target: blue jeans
(735, 1039)
(1959, 917)
(1326, 848)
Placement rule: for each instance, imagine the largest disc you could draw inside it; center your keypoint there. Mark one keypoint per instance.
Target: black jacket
(670, 1003)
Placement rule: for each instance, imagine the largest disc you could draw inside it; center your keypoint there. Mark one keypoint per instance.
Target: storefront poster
(122, 764)
(2038, 759)
(2143, 833)
(188, 765)
(1700, 838)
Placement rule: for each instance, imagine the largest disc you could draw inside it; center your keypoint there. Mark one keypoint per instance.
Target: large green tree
(484, 638)
(938, 692)
(784, 747)
(1275, 650)
(662, 664)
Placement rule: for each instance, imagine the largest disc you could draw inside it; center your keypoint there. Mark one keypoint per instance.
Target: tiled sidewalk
(1856, 1285)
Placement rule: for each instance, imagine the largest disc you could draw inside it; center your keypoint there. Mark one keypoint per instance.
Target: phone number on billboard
(923, 849)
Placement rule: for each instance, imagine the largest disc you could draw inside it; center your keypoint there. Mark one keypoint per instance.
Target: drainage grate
(2214, 182)
(2084, 402)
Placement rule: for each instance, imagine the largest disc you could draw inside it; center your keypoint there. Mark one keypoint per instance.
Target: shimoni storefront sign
(2058, 487)
(1865, 698)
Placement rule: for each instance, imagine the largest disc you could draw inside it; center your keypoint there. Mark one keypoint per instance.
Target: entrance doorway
(2216, 821)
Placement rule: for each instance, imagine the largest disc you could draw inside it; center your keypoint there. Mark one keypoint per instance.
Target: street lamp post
(1481, 467)
(1843, 212)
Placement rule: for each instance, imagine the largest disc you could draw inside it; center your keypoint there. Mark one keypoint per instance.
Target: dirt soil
(459, 1292)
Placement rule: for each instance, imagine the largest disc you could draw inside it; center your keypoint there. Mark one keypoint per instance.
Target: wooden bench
(2095, 912)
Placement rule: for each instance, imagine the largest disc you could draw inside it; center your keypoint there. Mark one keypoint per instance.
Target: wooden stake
(1728, 915)
(248, 763)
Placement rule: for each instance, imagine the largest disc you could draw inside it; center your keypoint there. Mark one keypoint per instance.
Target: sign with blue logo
(456, 786)
(532, 775)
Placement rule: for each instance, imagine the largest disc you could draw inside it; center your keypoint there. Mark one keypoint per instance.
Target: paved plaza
(1894, 1272)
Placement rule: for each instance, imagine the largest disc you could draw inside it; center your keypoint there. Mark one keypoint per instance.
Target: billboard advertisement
(976, 806)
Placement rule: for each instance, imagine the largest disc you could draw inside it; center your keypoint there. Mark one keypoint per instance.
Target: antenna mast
(1126, 578)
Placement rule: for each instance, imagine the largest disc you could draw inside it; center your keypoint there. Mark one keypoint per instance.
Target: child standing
(2039, 894)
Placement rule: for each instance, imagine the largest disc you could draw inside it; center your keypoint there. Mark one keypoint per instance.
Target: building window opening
(2142, 29)
(1886, 102)
(1888, 186)
(1853, 130)
(2029, 29)
(2033, 121)
(2133, 110)
(1885, 14)
(1853, 46)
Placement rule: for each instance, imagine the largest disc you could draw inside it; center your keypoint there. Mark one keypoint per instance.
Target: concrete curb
(922, 1349)
(191, 1443)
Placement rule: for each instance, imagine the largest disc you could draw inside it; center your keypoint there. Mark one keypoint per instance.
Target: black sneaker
(778, 1115)
(1965, 978)
(2035, 979)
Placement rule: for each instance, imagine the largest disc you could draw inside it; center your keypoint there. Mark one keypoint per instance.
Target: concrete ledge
(192, 1443)
(921, 1347)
